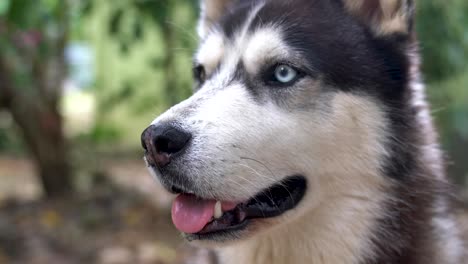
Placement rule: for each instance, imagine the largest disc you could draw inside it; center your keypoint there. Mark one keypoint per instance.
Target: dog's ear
(211, 12)
(384, 17)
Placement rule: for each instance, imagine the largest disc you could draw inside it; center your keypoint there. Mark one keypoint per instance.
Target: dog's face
(290, 111)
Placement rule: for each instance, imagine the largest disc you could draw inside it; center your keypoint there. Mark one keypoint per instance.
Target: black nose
(162, 141)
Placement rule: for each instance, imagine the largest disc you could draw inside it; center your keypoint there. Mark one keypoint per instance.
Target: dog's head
(290, 111)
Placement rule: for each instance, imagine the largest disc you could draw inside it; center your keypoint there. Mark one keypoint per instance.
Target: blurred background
(81, 79)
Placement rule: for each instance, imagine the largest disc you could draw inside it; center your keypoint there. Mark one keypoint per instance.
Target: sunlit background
(81, 79)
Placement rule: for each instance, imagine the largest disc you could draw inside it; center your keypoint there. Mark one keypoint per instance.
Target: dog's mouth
(202, 218)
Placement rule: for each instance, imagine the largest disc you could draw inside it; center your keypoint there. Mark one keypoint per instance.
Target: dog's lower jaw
(338, 232)
(346, 230)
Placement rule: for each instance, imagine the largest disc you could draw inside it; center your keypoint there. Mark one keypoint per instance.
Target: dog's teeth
(218, 211)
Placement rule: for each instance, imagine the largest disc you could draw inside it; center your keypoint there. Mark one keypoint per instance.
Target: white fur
(445, 226)
(446, 230)
(265, 43)
(211, 52)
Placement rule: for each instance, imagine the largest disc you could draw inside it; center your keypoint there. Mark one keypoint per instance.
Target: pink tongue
(190, 215)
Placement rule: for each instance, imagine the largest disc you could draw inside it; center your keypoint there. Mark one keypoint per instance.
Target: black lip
(269, 203)
(229, 233)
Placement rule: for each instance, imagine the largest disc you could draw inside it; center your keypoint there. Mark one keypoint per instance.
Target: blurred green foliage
(143, 61)
(443, 34)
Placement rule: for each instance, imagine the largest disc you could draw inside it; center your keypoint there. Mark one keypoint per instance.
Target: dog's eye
(283, 74)
(199, 73)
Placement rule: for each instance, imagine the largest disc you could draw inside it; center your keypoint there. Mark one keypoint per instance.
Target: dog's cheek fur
(239, 144)
(350, 183)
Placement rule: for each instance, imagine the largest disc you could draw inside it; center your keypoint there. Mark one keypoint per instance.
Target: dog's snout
(161, 142)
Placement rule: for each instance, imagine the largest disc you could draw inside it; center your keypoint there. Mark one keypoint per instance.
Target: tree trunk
(43, 133)
(41, 126)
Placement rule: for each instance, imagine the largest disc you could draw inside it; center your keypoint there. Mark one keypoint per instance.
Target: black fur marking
(334, 44)
(236, 18)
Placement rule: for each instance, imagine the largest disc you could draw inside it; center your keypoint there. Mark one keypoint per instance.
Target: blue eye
(285, 74)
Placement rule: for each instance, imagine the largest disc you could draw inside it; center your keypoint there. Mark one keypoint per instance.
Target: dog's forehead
(254, 48)
(248, 43)
(317, 35)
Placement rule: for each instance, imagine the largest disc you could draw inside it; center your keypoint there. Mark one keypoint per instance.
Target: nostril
(171, 141)
(162, 145)
(168, 145)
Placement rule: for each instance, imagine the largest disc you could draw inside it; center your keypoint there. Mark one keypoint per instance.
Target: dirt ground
(123, 220)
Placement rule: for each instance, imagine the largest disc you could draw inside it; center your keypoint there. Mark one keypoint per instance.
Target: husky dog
(308, 138)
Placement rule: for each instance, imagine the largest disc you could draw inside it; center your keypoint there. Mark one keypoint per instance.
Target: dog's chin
(259, 212)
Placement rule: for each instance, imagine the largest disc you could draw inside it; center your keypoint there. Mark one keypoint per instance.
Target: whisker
(271, 172)
(263, 192)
